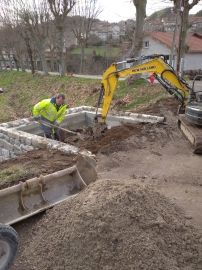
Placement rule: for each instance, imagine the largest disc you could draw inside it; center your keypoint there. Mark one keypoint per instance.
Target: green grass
(100, 50)
(139, 93)
(12, 174)
(23, 91)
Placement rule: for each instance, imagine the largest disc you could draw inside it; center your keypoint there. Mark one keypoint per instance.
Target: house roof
(194, 40)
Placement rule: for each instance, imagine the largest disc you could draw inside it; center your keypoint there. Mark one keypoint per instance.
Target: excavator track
(192, 132)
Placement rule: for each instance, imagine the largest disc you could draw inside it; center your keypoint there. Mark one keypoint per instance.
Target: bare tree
(7, 45)
(140, 6)
(10, 17)
(84, 14)
(52, 45)
(185, 6)
(60, 9)
(35, 17)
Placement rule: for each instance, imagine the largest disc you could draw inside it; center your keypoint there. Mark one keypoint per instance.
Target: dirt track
(161, 157)
(157, 156)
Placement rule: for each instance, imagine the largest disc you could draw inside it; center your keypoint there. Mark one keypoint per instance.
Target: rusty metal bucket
(38, 194)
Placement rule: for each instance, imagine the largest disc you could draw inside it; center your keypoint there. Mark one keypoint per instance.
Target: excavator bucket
(38, 194)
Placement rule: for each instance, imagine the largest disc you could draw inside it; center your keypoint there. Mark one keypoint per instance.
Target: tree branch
(194, 2)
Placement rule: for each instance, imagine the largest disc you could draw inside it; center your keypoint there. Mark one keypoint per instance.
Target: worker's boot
(58, 135)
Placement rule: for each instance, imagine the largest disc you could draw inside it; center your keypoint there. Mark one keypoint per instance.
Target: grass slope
(100, 50)
(22, 91)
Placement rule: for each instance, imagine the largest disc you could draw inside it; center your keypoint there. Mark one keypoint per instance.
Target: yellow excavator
(190, 109)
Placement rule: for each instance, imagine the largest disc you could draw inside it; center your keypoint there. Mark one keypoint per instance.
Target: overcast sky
(117, 10)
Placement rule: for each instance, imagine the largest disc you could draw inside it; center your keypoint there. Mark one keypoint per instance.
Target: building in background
(161, 43)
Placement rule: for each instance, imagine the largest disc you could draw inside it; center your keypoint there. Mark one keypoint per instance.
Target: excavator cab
(193, 109)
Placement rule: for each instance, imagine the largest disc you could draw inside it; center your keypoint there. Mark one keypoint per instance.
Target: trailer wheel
(8, 246)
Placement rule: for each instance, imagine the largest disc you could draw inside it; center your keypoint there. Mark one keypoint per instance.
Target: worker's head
(60, 99)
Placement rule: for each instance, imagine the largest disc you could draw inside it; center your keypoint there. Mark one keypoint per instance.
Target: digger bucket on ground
(38, 194)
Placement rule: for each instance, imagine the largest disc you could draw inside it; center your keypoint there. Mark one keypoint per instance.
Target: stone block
(12, 155)
(28, 141)
(68, 149)
(13, 135)
(22, 139)
(17, 142)
(6, 138)
(39, 142)
(27, 148)
(5, 153)
(4, 125)
(12, 141)
(6, 145)
(1, 143)
(16, 147)
(54, 145)
(17, 151)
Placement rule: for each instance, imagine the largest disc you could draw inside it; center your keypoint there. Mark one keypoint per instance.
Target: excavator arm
(155, 64)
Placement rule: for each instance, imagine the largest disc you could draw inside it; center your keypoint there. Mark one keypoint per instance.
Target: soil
(107, 142)
(113, 224)
(33, 164)
(99, 229)
(162, 158)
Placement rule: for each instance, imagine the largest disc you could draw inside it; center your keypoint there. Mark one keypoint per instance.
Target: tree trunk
(182, 39)
(52, 60)
(62, 69)
(3, 59)
(82, 58)
(41, 51)
(44, 63)
(30, 53)
(10, 62)
(140, 6)
(16, 62)
(184, 6)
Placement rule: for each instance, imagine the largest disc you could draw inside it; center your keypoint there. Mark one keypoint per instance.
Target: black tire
(8, 246)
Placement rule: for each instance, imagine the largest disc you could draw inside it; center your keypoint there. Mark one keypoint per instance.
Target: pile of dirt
(112, 224)
(33, 164)
(112, 139)
(142, 133)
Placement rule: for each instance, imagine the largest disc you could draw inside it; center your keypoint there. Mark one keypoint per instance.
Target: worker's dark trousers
(49, 132)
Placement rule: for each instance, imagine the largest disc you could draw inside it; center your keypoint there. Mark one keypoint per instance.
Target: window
(146, 44)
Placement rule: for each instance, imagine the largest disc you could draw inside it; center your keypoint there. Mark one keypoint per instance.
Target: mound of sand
(113, 225)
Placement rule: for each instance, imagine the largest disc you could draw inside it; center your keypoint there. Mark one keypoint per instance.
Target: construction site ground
(153, 155)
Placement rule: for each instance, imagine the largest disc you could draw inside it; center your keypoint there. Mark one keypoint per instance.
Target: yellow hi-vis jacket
(49, 110)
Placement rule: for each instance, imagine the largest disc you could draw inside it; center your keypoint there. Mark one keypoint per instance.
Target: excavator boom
(190, 107)
(163, 72)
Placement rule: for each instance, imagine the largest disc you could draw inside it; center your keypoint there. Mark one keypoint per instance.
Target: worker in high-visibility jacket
(51, 112)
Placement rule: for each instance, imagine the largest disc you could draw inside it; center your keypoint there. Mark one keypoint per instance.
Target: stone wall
(14, 142)
(20, 136)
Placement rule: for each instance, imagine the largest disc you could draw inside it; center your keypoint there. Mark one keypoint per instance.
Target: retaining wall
(23, 135)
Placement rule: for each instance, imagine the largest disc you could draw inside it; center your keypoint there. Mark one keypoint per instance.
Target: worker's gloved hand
(37, 118)
(56, 123)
